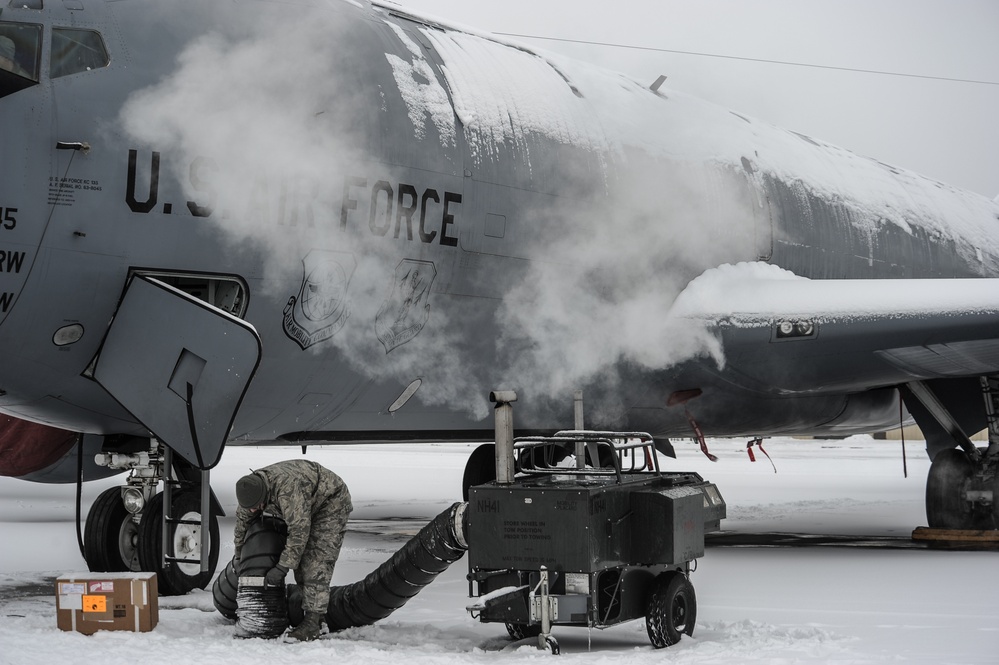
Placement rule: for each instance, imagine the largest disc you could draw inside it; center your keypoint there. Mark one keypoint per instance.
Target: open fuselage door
(179, 365)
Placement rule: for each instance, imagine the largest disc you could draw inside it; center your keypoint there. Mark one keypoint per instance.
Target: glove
(275, 576)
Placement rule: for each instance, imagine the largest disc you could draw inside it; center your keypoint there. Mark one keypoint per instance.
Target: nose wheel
(187, 543)
(116, 539)
(111, 536)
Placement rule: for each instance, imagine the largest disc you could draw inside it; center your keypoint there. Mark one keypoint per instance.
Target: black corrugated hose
(427, 554)
(391, 585)
(263, 610)
(262, 547)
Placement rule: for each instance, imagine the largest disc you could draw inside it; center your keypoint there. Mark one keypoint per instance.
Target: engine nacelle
(44, 454)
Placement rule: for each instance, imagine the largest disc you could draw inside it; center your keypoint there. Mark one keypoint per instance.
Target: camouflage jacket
(296, 489)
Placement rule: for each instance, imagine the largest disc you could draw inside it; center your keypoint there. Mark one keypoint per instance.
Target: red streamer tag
(699, 435)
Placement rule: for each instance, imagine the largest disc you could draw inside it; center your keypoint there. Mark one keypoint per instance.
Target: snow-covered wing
(784, 334)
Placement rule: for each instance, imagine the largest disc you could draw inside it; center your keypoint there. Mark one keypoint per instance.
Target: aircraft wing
(782, 334)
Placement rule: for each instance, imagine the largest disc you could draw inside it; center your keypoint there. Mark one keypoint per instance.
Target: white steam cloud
(286, 110)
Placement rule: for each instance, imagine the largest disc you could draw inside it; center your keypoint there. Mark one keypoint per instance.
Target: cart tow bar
(544, 608)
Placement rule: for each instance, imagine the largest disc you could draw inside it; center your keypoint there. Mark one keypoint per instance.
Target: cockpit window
(75, 51)
(20, 49)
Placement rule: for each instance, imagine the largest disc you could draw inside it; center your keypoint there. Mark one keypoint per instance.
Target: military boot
(308, 630)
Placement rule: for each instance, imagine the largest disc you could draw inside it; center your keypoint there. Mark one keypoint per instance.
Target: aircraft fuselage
(411, 215)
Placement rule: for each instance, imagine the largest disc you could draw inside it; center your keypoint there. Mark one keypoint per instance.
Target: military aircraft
(333, 221)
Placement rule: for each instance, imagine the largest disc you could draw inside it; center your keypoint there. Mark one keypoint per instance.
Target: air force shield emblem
(405, 312)
(321, 308)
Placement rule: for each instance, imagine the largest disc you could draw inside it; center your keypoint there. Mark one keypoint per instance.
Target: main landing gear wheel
(480, 468)
(946, 503)
(176, 579)
(111, 536)
(671, 609)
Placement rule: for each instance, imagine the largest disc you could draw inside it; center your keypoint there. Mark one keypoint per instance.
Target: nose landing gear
(129, 528)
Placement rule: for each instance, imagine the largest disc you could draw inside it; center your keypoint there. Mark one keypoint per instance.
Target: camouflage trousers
(315, 570)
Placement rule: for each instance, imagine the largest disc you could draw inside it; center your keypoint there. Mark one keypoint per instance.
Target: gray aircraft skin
(359, 249)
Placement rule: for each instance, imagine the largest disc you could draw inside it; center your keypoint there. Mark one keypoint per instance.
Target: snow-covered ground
(755, 605)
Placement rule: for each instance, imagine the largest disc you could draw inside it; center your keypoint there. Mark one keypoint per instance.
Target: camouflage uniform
(315, 503)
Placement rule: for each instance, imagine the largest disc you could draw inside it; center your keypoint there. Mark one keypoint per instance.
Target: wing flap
(973, 357)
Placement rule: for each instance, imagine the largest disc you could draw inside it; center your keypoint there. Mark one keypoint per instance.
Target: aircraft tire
(480, 468)
(671, 609)
(946, 508)
(110, 535)
(176, 579)
(522, 631)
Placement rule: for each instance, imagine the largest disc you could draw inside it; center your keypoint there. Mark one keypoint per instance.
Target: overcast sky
(947, 130)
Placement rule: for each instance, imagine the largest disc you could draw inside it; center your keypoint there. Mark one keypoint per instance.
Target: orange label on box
(95, 603)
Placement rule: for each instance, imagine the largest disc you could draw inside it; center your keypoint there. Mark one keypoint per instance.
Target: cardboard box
(88, 602)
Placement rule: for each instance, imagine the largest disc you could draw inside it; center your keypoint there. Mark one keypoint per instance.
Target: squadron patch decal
(321, 308)
(405, 312)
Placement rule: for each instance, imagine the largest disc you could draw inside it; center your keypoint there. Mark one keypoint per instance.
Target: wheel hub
(128, 541)
(187, 544)
(679, 614)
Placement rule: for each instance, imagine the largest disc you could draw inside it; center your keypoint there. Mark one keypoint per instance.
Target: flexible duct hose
(427, 554)
(224, 591)
(391, 585)
(262, 547)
